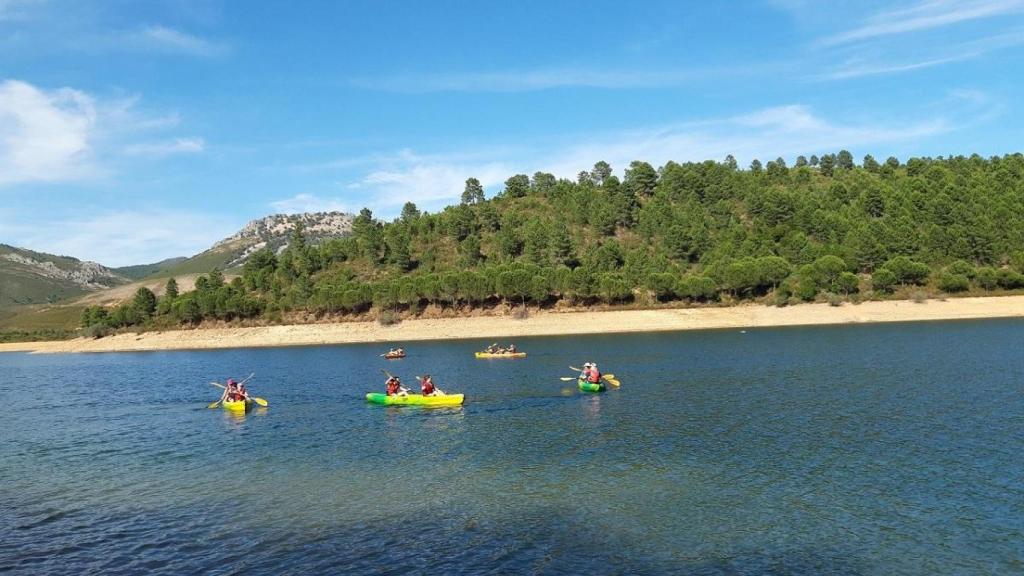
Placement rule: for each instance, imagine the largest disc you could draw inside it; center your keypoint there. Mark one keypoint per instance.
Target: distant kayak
(501, 355)
(238, 405)
(394, 356)
(590, 387)
(414, 399)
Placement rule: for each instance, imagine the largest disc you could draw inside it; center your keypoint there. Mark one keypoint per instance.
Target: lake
(867, 449)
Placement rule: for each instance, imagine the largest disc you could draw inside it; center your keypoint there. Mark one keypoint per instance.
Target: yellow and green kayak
(414, 399)
(238, 405)
(590, 387)
(502, 355)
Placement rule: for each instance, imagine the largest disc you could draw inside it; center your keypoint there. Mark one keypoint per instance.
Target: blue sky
(134, 131)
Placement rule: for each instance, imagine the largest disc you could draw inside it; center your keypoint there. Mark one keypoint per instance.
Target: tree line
(824, 228)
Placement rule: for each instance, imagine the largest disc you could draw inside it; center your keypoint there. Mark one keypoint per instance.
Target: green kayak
(415, 399)
(589, 387)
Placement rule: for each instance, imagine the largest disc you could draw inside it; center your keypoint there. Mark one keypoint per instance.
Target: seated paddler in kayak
(231, 393)
(428, 388)
(591, 373)
(393, 387)
(511, 348)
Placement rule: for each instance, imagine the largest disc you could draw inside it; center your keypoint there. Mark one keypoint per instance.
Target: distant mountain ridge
(29, 277)
(268, 232)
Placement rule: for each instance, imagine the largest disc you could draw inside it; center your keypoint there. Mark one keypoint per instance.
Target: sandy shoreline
(540, 324)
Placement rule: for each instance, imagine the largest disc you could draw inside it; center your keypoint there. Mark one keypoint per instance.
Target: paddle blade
(574, 369)
(613, 382)
(566, 379)
(609, 376)
(214, 404)
(260, 401)
(217, 384)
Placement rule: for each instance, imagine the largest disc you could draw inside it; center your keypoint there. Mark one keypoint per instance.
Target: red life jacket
(392, 387)
(594, 377)
(427, 387)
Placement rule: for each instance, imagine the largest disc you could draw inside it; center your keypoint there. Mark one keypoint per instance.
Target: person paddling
(594, 375)
(427, 385)
(393, 387)
(511, 348)
(231, 391)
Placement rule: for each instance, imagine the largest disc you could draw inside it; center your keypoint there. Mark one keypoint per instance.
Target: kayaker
(427, 385)
(585, 372)
(393, 387)
(231, 390)
(511, 348)
(594, 376)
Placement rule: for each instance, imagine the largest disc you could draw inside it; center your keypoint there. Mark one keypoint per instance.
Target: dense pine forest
(823, 229)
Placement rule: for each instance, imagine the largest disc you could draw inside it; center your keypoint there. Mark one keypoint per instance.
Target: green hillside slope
(28, 277)
(709, 231)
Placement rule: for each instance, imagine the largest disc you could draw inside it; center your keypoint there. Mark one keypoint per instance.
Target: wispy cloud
(13, 10)
(530, 80)
(122, 238)
(66, 134)
(429, 181)
(946, 54)
(924, 15)
(785, 131)
(167, 148)
(306, 202)
(433, 181)
(164, 39)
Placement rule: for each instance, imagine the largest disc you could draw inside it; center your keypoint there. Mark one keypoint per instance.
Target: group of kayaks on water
(589, 379)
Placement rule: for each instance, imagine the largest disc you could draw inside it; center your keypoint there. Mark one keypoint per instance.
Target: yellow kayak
(504, 355)
(415, 399)
(237, 405)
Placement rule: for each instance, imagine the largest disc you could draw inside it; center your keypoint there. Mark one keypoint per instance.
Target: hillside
(28, 277)
(827, 229)
(271, 233)
(141, 271)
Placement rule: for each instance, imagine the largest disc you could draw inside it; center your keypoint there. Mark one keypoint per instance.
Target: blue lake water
(882, 449)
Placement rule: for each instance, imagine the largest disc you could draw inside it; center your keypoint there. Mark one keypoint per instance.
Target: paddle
(389, 375)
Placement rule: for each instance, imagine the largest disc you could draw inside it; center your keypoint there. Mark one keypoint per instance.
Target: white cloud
(69, 135)
(924, 15)
(529, 80)
(429, 181)
(124, 238)
(306, 202)
(787, 131)
(167, 39)
(167, 148)
(45, 135)
(946, 54)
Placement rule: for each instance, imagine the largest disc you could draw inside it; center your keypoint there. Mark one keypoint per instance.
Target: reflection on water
(851, 450)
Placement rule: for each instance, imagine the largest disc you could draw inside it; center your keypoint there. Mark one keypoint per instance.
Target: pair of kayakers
(393, 386)
(234, 391)
(590, 373)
